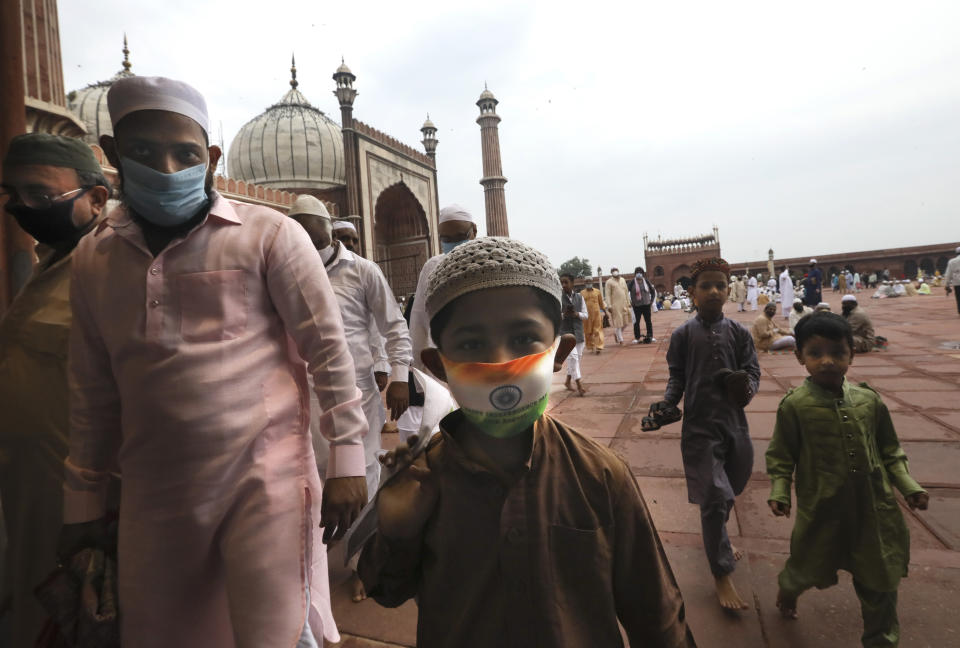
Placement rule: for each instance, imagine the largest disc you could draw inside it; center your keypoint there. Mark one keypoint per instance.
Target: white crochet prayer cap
(136, 93)
(490, 262)
(848, 298)
(797, 300)
(308, 204)
(812, 261)
(455, 213)
(344, 225)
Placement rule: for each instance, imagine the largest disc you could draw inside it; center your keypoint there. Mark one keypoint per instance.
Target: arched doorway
(926, 264)
(401, 237)
(942, 264)
(680, 275)
(909, 269)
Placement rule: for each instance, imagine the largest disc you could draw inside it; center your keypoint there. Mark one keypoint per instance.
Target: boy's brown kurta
(553, 558)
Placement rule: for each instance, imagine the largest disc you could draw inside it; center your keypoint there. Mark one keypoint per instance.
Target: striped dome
(292, 145)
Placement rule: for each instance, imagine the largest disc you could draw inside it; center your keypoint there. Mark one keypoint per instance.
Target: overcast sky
(811, 128)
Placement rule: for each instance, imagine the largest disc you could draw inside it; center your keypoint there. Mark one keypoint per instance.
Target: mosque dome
(291, 145)
(90, 103)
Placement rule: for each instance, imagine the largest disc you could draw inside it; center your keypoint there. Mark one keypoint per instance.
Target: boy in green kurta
(840, 441)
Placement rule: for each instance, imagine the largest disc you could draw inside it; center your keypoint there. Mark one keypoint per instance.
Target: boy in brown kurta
(512, 529)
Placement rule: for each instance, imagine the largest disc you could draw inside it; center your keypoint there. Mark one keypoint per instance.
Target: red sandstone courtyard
(918, 376)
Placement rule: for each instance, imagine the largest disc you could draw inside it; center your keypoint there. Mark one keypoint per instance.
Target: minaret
(430, 138)
(492, 179)
(345, 95)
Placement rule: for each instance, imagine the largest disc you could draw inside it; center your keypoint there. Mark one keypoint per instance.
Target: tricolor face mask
(503, 399)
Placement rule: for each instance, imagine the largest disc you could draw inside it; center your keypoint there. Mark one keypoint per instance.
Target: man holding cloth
(193, 317)
(56, 191)
(642, 294)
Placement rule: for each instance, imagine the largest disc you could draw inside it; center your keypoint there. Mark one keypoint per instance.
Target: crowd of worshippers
(194, 391)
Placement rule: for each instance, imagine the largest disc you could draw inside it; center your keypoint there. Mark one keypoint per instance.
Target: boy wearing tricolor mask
(512, 529)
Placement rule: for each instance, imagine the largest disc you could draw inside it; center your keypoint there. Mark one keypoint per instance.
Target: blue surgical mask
(164, 199)
(447, 246)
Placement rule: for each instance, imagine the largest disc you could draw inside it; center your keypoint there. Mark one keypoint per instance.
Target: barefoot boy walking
(839, 440)
(713, 367)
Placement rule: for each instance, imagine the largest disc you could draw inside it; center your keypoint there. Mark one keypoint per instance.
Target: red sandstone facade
(669, 260)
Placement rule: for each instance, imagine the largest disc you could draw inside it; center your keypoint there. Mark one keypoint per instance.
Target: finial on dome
(293, 72)
(126, 55)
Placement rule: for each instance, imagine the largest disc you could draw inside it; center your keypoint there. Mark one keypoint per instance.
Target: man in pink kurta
(187, 374)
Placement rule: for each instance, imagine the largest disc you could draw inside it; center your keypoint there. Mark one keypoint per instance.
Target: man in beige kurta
(56, 192)
(618, 303)
(593, 325)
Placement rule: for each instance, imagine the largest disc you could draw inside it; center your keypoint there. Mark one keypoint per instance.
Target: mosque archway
(401, 237)
(681, 271)
(909, 268)
(926, 264)
(942, 264)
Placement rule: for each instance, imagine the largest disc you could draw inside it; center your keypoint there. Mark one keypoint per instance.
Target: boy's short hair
(568, 276)
(712, 263)
(490, 262)
(825, 324)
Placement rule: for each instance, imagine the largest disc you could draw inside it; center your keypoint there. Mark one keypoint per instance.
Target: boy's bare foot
(568, 385)
(737, 554)
(727, 593)
(787, 605)
(357, 592)
(581, 389)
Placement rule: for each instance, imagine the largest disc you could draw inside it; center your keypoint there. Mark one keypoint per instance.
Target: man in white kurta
(618, 303)
(194, 328)
(366, 302)
(752, 293)
(786, 292)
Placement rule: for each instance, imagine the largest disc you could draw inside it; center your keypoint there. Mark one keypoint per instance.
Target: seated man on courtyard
(767, 336)
(864, 339)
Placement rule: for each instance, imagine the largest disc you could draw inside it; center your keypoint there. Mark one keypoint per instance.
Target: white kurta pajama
(786, 293)
(186, 368)
(366, 302)
(752, 293)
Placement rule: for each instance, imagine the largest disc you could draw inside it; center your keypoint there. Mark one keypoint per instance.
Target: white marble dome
(90, 103)
(291, 145)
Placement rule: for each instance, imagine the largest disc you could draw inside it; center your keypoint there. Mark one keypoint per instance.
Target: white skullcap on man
(455, 213)
(136, 93)
(848, 298)
(957, 250)
(344, 225)
(812, 261)
(797, 300)
(307, 204)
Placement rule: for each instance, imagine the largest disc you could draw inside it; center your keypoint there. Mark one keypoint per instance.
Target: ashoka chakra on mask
(505, 397)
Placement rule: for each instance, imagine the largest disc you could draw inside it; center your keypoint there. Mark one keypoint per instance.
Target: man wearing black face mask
(55, 190)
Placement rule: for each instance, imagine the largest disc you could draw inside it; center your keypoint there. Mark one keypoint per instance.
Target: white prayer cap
(848, 298)
(307, 204)
(135, 93)
(344, 225)
(812, 261)
(797, 300)
(957, 250)
(455, 213)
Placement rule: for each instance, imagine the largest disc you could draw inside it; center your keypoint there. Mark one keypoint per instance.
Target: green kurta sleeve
(892, 455)
(783, 452)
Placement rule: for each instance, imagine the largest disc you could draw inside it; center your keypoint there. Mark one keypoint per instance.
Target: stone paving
(919, 379)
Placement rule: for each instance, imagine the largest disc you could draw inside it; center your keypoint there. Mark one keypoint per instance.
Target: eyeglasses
(40, 200)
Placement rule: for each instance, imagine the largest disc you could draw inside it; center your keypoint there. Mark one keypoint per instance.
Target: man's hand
(343, 497)
(74, 537)
(405, 504)
(918, 501)
(382, 378)
(779, 508)
(398, 398)
(949, 290)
